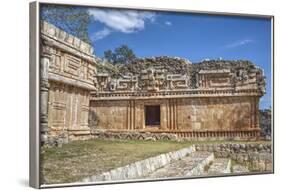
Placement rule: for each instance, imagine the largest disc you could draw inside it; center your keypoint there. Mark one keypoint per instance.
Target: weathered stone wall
(110, 115)
(213, 99)
(67, 70)
(222, 114)
(257, 156)
(68, 110)
(265, 123)
(194, 118)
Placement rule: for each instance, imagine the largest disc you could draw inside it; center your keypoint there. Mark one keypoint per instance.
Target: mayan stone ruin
(265, 123)
(157, 97)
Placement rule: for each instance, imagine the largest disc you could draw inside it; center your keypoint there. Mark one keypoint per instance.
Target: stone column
(197, 82)
(252, 111)
(172, 114)
(44, 91)
(163, 116)
(257, 122)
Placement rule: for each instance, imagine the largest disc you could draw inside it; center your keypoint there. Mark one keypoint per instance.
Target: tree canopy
(72, 19)
(121, 55)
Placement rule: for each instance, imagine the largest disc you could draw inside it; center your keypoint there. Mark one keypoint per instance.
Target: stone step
(219, 166)
(142, 168)
(192, 165)
(239, 169)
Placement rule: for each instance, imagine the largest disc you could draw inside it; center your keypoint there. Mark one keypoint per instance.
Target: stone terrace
(198, 160)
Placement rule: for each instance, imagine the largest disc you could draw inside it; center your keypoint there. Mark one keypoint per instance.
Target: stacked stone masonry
(265, 123)
(208, 100)
(67, 70)
(258, 156)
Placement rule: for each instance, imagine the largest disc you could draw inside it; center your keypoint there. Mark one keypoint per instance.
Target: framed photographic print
(130, 94)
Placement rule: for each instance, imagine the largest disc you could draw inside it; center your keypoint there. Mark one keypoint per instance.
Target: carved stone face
(112, 85)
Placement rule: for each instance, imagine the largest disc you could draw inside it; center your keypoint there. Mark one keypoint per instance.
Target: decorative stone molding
(133, 135)
(190, 93)
(160, 78)
(175, 135)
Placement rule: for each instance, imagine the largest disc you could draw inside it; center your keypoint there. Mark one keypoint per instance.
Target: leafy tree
(74, 20)
(109, 56)
(121, 55)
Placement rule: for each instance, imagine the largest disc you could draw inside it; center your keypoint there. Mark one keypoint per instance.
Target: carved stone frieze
(231, 75)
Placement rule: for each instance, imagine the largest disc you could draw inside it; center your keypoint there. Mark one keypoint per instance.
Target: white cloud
(239, 43)
(126, 21)
(101, 34)
(168, 23)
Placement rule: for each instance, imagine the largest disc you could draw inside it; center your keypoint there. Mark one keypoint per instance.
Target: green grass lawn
(80, 159)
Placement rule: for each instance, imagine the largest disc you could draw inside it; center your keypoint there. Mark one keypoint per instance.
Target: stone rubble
(188, 166)
(220, 166)
(258, 156)
(265, 123)
(239, 169)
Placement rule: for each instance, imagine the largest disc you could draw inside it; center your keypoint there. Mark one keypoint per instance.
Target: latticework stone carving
(168, 74)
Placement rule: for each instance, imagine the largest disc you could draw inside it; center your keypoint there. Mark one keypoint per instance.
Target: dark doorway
(152, 115)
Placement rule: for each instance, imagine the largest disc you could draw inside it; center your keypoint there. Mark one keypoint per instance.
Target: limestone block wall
(125, 114)
(109, 115)
(67, 70)
(194, 118)
(222, 114)
(68, 110)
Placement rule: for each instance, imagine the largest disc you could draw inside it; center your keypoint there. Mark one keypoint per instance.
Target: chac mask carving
(218, 74)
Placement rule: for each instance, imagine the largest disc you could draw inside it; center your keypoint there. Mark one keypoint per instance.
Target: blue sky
(191, 36)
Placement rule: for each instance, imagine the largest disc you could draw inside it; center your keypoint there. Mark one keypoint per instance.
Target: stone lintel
(198, 94)
(71, 82)
(182, 131)
(219, 71)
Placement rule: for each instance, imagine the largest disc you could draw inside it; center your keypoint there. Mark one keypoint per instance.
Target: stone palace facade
(159, 95)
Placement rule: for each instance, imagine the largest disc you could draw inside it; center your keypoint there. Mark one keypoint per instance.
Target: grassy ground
(80, 159)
